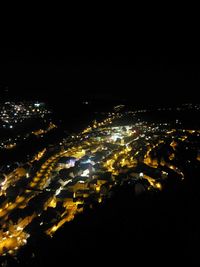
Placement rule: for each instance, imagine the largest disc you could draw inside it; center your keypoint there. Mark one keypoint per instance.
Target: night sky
(51, 74)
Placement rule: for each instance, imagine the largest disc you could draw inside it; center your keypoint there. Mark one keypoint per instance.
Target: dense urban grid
(59, 181)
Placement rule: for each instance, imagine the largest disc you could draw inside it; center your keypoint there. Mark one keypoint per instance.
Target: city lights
(59, 179)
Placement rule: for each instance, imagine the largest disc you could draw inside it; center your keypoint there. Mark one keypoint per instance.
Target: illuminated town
(12, 114)
(14, 118)
(60, 181)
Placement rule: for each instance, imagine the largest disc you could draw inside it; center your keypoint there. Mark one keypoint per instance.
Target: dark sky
(52, 74)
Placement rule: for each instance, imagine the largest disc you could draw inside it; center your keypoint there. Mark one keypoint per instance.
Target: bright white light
(37, 104)
(70, 164)
(115, 136)
(58, 191)
(141, 174)
(85, 173)
(89, 161)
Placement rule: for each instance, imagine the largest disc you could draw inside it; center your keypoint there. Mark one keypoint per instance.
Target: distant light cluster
(12, 113)
(187, 106)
